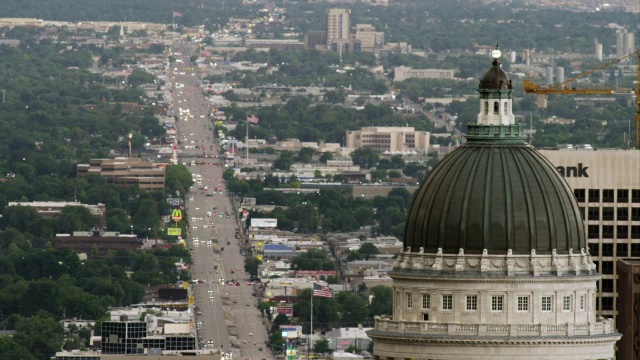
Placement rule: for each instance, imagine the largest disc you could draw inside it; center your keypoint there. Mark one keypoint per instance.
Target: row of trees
(344, 309)
(56, 114)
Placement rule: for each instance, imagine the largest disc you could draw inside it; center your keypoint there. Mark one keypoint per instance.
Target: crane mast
(562, 88)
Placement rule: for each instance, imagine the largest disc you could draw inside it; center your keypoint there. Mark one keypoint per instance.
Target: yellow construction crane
(562, 88)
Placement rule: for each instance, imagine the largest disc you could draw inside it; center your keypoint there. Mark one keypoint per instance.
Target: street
(226, 308)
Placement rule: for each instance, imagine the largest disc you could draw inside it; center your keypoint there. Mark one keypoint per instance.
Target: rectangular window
(635, 214)
(635, 196)
(593, 232)
(582, 302)
(426, 301)
(623, 196)
(607, 195)
(635, 231)
(622, 249)
(546, 303)
(594, 249)
(447, 302)
(607, 267)
(607, 213)
(582, 212)
(607, 303)
(523, 303)
(409, 300)
(566, 303)
(579, 194)
(398, 300)
(607, 285)
(594, 195)
(635, 250)
(496, 303)
(607, 231)
(594, 213)
(623, 214)
(472, 302)
(607, 249)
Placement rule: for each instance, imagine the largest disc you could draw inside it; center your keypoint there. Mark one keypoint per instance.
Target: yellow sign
(192, 300)
(259, 257)
(174, 231)
(185, 284)
(176, 215)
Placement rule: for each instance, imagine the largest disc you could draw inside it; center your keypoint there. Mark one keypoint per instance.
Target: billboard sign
(176, 215)
(248, 201)
(174, 231)
(264, 223)
(288, 311)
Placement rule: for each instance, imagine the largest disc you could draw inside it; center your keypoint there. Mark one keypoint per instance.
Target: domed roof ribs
(508, 206)
(457, 167)
(518, 156)
(548, 208)
(486, 221)
(467, 197)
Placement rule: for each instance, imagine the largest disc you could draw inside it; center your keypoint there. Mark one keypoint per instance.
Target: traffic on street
(225, 311)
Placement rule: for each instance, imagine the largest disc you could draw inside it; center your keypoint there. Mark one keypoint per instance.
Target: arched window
(496, 108)
(486, 108)
(506, 108)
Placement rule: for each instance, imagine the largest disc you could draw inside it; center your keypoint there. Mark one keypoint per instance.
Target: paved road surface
(229, 317)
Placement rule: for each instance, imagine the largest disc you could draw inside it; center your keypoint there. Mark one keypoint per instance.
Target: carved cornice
(509, 264)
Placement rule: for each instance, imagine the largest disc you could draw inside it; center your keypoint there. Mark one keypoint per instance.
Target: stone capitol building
(495, 264)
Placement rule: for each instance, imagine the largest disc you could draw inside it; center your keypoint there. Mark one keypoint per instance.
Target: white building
(338, 25)
(389, 138)
(496, 263)
(401, 73)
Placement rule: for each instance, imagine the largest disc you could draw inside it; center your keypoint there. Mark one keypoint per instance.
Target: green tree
(41, 334)
(178, 177)
(305, 155)
(368, 250)
(313, 259)
(10, 349)
(322, 347)
(326, 156)
(146, 217)
(354, 309)
(251, 264)
(382, 301)
(75, 218)
(365, 156)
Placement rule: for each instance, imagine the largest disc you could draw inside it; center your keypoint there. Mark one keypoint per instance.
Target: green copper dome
(495, 192)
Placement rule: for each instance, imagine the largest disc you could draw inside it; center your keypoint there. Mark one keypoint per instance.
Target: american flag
(252, 119)
(322, 291)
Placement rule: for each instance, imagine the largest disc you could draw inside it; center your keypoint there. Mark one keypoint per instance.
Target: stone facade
(496, 306)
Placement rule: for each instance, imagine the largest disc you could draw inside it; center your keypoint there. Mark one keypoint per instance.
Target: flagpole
(247, 142)
(310, 328)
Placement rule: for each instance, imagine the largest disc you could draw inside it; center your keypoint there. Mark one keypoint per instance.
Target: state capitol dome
(495, 192)
(495, 264)
(495, 196)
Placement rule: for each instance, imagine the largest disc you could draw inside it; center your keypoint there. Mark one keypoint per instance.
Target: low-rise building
(401, 73)
(126, 172)
(83, 241)
(53, 209)
(389, 138)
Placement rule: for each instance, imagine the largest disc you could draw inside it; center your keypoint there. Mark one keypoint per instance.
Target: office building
(401, 73)
(338, 25)
(495, 264)
(370, 38)
(53, 209)
(125, 172)
(85, 242)
(390, 139)
(315, 39)
(628, 318)
(130, 337)
(606, 184)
